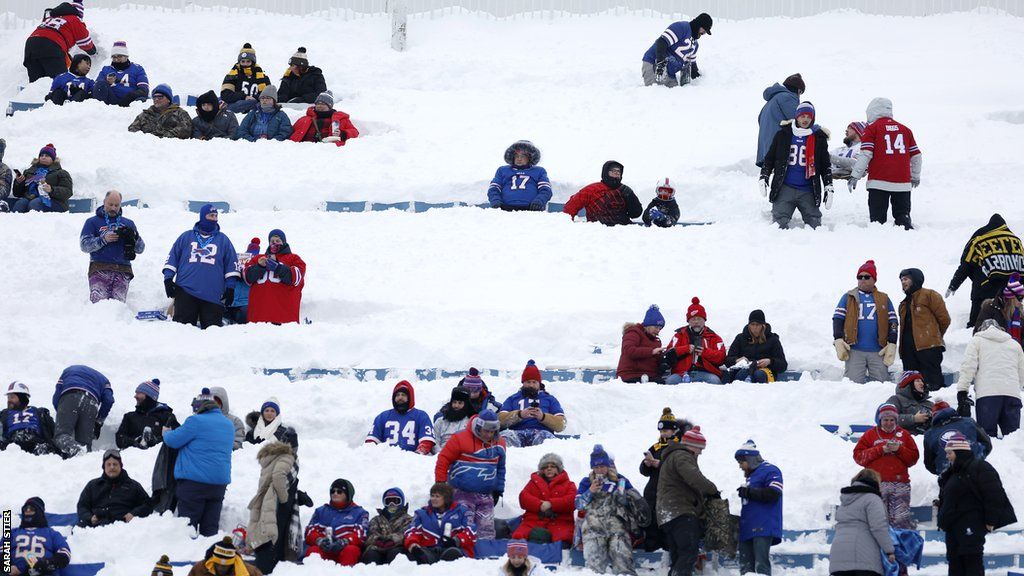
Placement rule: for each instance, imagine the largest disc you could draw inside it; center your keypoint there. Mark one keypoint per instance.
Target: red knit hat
(531, 372)
(908, 378)
(694, 438)
(868, 267)
(939, 407)
(886, 409)
(696, 309)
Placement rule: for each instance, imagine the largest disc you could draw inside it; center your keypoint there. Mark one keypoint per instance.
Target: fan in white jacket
(519, 562)
(994, 362)
(844, 157)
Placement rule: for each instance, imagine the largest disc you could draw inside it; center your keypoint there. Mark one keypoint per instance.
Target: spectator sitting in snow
(213, 119)
(640, 359)
(6, 178)
(301, 83)
(780, 104)
(322, 123)
(48, 553)
(480, 398)
(844, 157)
(521, 184)
(244, 82)
(222, 559)
(756, 353)
(27, 427)
(276, 280)
(531, 415)
(609, 201)
(220, 396)
(473, 462)
(994, 363)
(912, 403)
(337, 529)
(267, 424)
(112, 497)
(865, 327)
(112, 241)
(82, 399)
(143, 427)
(73, 85)
(453, 417)
(164, 118)
(611, 514)
(802, 180)
(441, 530)
(675, 53)
(404, 425)
(267, 121)
(890, 451)
(946, 421)
(548, 502)
(386, 538)
(663, 211)
(44, 187)
(121, 82)
(761, 515)
(519, 562)
(695, 351)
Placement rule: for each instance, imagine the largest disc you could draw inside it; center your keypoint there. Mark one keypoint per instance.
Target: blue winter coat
(91, 239)
(351, 522)
(944, 424)
(89, 380)
(780, 104)
(276, 125)
(548, 404)
(763, 519)
(129, 80)
(204, 444)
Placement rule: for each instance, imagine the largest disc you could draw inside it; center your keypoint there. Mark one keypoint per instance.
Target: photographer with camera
(112, 497)
(530, 416)
(890, 451)
(111, 241)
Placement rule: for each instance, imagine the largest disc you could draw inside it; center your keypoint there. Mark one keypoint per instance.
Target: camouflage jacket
(171, 122)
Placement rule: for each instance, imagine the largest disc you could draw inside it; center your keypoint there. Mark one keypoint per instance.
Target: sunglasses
(864, 277)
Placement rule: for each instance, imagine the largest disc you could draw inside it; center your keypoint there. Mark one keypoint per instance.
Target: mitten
(496, 495)
(169, 287)
(536, 205)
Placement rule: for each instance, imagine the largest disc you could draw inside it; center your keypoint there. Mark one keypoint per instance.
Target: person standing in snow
(641, 356)
(663, 211)
(268, 533)
(799, 158)
(990, 257)
(73, 85)
(48, 553)
(244, 82)
(213, 119)
(453, 417)
(267, 425)
(44, 186)
(672, 59)
(519, 562)
(612, 509)
(82, 399)
(862, 529)
(322, 123)
(1005, 309)
(164, 119)
(473, 464)
(609, 201)
(890, 451)
(48, 48)
(267, 121)
(756, 353)
(143, 427)
(404, 425)
(532, 415)
(276, 280)
(761, 515)
(201, 272)
(923, 324)
(386, 538)
(844, 157)
(122, 81)
(669, 432)
(891, 160)
(220, 396)
(548, 503)
(442, 530)
(301, 83)
(780, 104)
(912, 403)
(695, 351)
(865, 328)
(682, 492)
(113, 497)
(111, 241)
(995, 365)
(27, 427)
(521, 184)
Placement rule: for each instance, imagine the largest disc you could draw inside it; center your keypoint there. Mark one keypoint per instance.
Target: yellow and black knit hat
(247, 51)
(224, 552)
(163, 567)
(667, 420)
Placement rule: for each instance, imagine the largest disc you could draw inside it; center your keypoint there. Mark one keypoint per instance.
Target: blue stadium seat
(13, 107)
(380, 206)
(639, 558)
(196, 205)
(331, 206)
(81, 205)
(58, 520)
(547, 553)
(134, 203)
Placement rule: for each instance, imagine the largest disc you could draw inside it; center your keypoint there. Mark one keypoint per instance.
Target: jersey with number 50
(203, 266)
(520, 187)
(892, 148)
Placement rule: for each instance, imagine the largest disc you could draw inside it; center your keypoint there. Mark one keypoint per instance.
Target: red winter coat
(65, 29)
(306, 129)
(709, 361)
(270, 299)
(605, 205)
(561, 492)
(636, 359)
(893, 467)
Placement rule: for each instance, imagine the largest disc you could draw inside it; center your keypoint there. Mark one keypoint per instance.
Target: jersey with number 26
(36, 543)
(892, 145)
(403, 430)
(203, 267)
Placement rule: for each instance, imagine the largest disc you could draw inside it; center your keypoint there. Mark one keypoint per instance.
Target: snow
(460, 287)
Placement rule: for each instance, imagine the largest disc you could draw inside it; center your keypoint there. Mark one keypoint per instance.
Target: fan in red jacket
(276, 280)
(890, 451)
(549, 503)
(641, 349)
(609, 201)
(322, 123)
(47, 48)
(698, 351)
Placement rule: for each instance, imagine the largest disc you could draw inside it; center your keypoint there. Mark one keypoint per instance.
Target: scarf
(266, 431)
(810, 170)
(238, 566)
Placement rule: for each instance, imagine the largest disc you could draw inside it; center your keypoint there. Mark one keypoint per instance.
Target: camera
(128, 236)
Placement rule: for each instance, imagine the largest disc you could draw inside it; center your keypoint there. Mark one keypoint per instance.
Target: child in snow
(72, 85)
(521, 184)
(441, 530)
(519, 562)
(802, 170)
(473, 463)
(663, 211)
(387, 529)
(244, 82)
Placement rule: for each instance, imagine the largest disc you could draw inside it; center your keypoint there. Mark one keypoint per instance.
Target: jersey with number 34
(892, 145)
(403, 430)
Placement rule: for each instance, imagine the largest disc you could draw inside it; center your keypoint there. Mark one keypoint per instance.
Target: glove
(963, 404)
(169, 287)
(763, 185)
(744, 492)
(324, 543)
(950, 292)
(829, 194)
(272, 264)
(44, 566)
(536, 205)
(915, 183)
(694, 73)
(449, 542)
(495, 203)
(342, 135)
(888, 354)
(97, 427)
(496, 495)
(659, 71)
(842, 349)
(852, 183)
(229, 296)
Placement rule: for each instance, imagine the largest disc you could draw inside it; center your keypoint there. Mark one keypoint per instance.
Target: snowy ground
(464, 287)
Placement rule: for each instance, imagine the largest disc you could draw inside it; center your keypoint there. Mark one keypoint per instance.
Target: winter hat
(461, 394)
(325, 97)
(886, 410)
(163, 567)
(670, 191)
(48, 150)
(858, 128)
(486, 420)
(749, 448)
(277, 232)
(598, 457)
(269, 92)
(795, 83)
(18, 388)
(654, 317)
(165, 90)
(908, 377)
(696, 309)
(472, 381)
(525, 146)
(204, 396)
(957, 441)
(551, 458)
(1014, 288)
(694, 439)
(120, 49)
(79, 6)
(868, 267)
(667, 420)
(112, 453)
(247, 51)
(444, 490)
(916, 276)
(39, 509)
(345, 486)
(756, 316)
(703, 20)
(150, 388)
(939, 407)
(299, 58)
(531, 372)
(254, 246)
(517, 548)
(224, 552)
(393, 493)
(805, 108)
(271, 403)
(206, 210)
(208, 97)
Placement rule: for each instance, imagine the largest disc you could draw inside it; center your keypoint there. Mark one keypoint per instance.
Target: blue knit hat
(748, 449)
(600, 458)
(486, 420)
(277, 232)
(805, 108)
(654, 317)
(393, 493)
(150, 388)
(165, 90)
(271, 403)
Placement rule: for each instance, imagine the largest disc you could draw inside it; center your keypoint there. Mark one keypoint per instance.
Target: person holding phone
(890, 451)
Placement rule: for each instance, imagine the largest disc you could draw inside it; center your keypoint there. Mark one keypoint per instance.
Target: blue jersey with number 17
(520, 187)
(203, 266)
(403, 430)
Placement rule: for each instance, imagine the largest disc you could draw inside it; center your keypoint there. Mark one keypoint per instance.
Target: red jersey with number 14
(892, 146)
(272, 300)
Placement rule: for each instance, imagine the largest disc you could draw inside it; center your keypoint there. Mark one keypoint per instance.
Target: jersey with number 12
(892, 145)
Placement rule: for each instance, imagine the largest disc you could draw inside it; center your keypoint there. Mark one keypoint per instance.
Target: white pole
(399, 15)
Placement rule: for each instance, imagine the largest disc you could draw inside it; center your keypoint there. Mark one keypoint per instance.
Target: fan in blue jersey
(122, 81)
(404, 426)
(531, 415)
(82, 399)
(672, 59)
(73, 85)
(201, 272)
(28, 427)
(761, 515)
(522, 184)
(35, 547)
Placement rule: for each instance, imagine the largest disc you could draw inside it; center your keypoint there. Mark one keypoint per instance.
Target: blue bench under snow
(58, 520)
(81, 205)
(94, 568)
(197, 205)
(547, 553)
